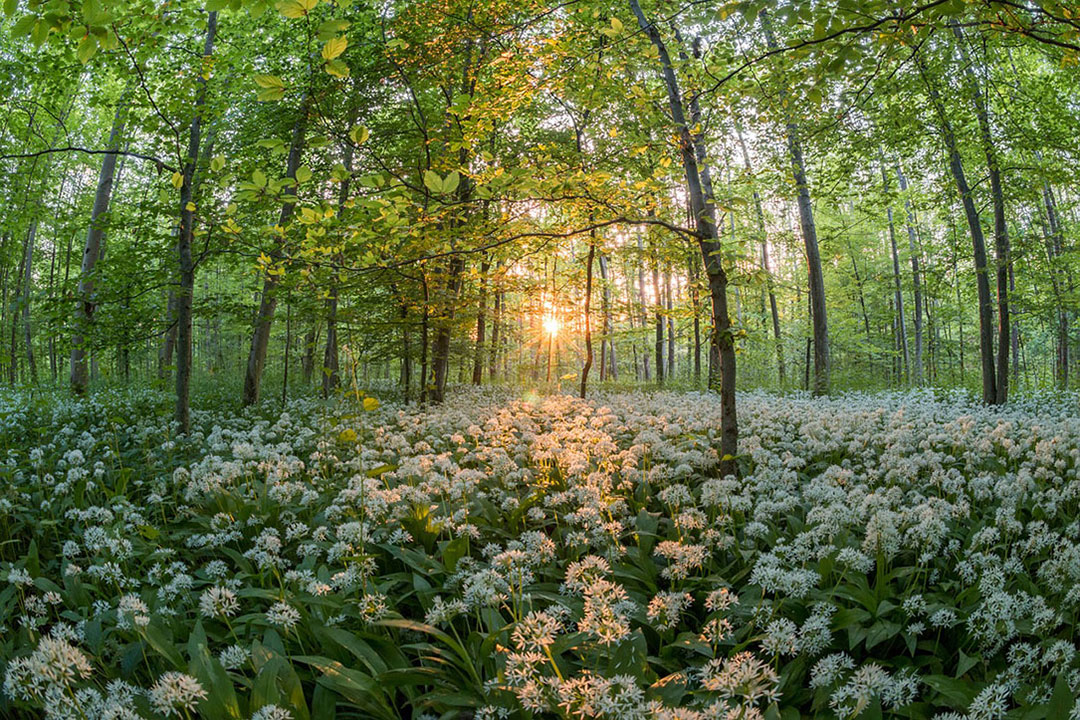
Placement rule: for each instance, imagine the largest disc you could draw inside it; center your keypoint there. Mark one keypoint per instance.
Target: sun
(552, 325)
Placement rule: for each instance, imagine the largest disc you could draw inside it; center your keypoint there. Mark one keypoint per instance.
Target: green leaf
(337, 68)
(220, 700)
(87, 48)
(334, 47)
(23, 26)
(432, 181)
(258, 178)
(269, 81)
(303, 174)
(451, 182)
(10, 6)
(270, 95)
(1061, 702)
(359, 134)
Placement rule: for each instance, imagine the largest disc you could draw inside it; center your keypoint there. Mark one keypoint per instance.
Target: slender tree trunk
(260, 339)
(916, 279)
(658, 312)
(424, 335)
(901, 327)
(643, 313)
(496, 324)
(670, 324)
(1001, 228)
(588, 315)
(695, 301)
(481, 326)
(27, 290)
(185, 292)
(606, 359)
(810, 239)
(85, 301)
(759, 215)
(700, 193)
(971, 213)
(1059, 280)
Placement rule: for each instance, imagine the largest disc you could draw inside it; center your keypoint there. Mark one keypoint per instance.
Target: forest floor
(891, 555)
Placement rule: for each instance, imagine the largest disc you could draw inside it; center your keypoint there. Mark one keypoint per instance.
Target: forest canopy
(827, 195)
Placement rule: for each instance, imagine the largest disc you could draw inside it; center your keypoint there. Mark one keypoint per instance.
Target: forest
(673, 359)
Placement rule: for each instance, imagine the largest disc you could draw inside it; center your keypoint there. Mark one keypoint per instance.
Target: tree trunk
(810, 239)
(658, 312)
(27, 290)
(588, 315)
(700, 193)
(899, 295)
(1001, 228)
(481, 327)
(85, 305)
(916, 280)
(184, 295)
(971, 213)
(496, 325)
(769, 281)
(260, 339)
(642, 312)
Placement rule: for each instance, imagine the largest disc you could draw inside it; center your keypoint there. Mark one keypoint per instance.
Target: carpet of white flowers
(882, 556)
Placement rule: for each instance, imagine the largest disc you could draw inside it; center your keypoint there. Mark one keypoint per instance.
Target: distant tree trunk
(670, 324)
(481, 326)
(1001, 228)
(899, 294)
(331, 361)
(496, 326)
(168, 344)
(406, 348)
(759, 215)
(607, 346)
(986, 307)
(810, 239)
(311, 339)
(658, 312)
(916, 279)
(424, 335)
(643, 313)
(1058, 279)
(441, 349)
(27, 289)
(85, 301)
(700, 193)
(260, 339)
(588, 315)
(695, 300)
(184, 295)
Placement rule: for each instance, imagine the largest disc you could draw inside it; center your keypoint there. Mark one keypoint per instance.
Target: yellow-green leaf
(433, 181)
(336, 68)
(87, 47)
(359, 134)
(269, 81)
(270, 94)
(177, 180)
(334, 47)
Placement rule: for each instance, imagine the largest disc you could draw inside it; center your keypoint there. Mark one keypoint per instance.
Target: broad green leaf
(87, 48)
(337, 68)
(334, 47)
(451, 182)
(432, 181)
